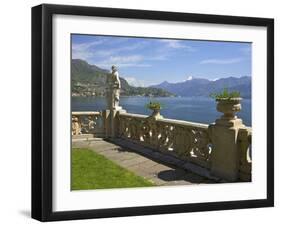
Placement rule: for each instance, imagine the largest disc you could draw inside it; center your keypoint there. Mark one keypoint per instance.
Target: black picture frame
(42, 108)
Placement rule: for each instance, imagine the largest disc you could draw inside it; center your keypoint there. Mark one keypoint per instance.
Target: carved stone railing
(216, 147)
(185, 140)
(245, 164)
(87, 123)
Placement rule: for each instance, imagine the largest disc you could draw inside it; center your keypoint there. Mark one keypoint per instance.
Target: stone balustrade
(185, 140)
(87, 123)
(221, 149)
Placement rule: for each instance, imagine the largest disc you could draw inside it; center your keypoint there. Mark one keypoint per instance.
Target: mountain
(90, 80)
(186, 88)
(203, 87)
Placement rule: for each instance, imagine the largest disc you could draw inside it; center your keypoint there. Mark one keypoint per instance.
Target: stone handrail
(185, 140)
(87, 123)
(245, 164)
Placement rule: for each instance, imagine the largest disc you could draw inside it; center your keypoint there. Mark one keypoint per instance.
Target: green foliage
(154, 105)
(225, 94)
(90, 170)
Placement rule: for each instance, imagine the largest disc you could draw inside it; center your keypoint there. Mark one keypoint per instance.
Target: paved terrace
(154, 166)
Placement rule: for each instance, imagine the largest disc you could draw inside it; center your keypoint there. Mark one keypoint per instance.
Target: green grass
(93, 171)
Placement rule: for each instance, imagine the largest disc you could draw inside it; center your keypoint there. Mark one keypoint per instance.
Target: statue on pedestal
(113, 89)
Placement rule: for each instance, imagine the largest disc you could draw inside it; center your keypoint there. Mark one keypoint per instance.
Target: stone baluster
(245, 169)
(76, 126)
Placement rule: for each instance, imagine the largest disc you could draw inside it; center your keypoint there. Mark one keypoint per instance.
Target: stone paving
(149, 168)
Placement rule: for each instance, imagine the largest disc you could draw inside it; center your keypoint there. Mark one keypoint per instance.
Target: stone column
(111, 122)
(225, 152)
(106, 123)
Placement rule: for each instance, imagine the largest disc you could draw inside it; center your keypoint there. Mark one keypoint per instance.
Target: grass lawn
(92, 171)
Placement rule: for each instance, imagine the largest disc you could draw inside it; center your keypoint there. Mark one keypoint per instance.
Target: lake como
(195, 109)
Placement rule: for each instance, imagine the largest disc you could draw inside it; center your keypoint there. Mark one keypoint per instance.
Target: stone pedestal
(156, 114)
(111, 122)
(225, 152)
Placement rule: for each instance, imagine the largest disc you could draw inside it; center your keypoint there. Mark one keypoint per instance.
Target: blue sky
(147, 61)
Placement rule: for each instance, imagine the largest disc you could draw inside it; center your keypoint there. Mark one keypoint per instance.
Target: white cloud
(172, 43)
(84, 50)
(123, 61)
(121, 65)
(113, 51)
(85, 46)
(167, 50)
(177, 44)
(126, 59)
(135, 82)
(221, 61)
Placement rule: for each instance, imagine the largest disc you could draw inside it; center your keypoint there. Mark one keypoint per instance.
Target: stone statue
(113, 89)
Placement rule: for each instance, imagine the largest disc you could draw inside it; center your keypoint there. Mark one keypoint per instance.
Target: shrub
(225, 94)
(154, 105)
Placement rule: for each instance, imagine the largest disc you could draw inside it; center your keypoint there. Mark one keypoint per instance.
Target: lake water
(195, 109)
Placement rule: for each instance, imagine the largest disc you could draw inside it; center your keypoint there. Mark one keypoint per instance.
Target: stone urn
(155, 107)
(229, 107)
(155, 113)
